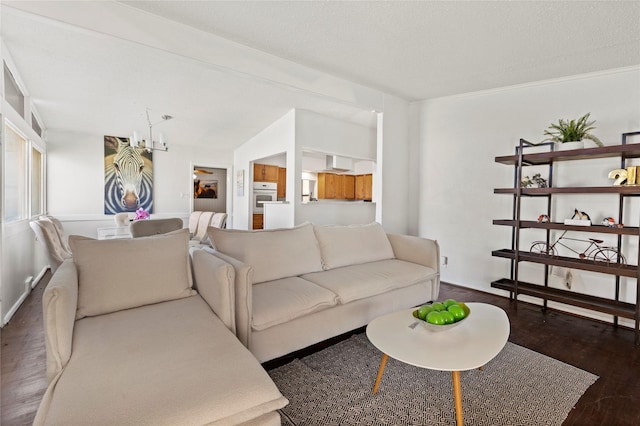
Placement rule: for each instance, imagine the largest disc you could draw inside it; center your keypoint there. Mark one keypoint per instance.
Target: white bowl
(435, 328)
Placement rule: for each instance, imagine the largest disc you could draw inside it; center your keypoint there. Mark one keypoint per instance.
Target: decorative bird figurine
(580, 215)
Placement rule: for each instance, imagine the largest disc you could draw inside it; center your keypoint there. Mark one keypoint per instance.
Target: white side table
(467, 346)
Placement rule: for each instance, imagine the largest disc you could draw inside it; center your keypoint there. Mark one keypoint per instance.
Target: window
(37, 182)
(15, 176)
(35, 125)
(12, 93)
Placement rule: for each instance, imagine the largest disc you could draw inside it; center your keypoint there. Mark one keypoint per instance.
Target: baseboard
(37, 279)
(14, 308)
(23, 297)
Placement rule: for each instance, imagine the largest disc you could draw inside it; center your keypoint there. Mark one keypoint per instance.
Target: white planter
(566, 146)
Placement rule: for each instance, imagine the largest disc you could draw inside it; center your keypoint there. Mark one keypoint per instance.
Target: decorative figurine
(611, 223)
(579, 218)
(620, 175)
(579, 215)
(543, 218)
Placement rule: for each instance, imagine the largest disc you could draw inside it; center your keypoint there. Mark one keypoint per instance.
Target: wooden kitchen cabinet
(258, 221)
(265, 173)
(282, 182)
(364, 187)
(336, 187)
(348, 187)
(327, 186)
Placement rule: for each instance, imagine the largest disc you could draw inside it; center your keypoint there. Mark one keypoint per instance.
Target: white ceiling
(424, 49)
(90, 82)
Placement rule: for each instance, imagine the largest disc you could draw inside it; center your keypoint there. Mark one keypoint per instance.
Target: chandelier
(149, 144)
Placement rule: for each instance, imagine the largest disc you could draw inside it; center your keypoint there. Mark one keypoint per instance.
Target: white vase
(566, 146)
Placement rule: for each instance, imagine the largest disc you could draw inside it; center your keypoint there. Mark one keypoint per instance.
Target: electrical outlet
(444, 261)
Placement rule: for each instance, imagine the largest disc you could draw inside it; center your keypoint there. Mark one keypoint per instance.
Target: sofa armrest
(214, 279)
(243, 295)
(416, 250)
(59, 305)
(419, 250)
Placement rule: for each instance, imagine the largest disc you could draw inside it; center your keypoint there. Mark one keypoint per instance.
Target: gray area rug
(518, 387)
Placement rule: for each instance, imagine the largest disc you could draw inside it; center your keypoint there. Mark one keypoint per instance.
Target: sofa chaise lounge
(129, 341)
(300, 286)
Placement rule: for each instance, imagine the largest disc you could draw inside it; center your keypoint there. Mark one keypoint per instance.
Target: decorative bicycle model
(594, 250)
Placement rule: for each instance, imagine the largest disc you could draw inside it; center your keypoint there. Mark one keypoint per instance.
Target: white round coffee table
(469, 345)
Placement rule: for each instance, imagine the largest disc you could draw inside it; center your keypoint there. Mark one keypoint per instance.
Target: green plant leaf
(572, 130)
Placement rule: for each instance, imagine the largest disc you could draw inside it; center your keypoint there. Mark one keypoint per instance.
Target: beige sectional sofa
(297, 287)
(130, 340)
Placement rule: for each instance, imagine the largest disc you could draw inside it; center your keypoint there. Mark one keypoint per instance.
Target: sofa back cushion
(273, 253)
(122, 274)
(352, 244)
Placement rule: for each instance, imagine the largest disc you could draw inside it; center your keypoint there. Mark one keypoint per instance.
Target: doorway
(209, 189)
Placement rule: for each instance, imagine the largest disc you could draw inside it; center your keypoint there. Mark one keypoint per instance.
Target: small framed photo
(240, 183)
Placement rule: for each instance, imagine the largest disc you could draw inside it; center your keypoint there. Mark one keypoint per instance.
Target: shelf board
(601, 229)
(542, 158)
(613, 189)
(570, 262)
(609, 306)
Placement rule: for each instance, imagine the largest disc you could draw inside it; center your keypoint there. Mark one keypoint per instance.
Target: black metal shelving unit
(512, 284)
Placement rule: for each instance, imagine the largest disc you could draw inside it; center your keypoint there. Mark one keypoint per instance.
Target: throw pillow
(273, 253)
(122, 274)
(353, 244)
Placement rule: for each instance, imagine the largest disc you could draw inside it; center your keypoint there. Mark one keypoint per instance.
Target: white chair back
(59, 230)
(46, 233)
(194, 217)
(203, 224)
(219, 220)
(122, 219)
(148, 227)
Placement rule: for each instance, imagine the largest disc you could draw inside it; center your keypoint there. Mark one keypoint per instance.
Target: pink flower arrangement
(141, 214)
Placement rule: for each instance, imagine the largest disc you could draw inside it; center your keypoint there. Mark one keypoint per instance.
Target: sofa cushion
(352, 244)
(369, 279)
(279, 301)
(273, 253)
(171, 363)
(123, 274)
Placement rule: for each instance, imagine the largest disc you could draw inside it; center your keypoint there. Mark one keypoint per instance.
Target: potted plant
(570, 134)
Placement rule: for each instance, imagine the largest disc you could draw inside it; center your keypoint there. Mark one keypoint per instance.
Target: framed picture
(127, 192)
(205, 188)
(240, 183)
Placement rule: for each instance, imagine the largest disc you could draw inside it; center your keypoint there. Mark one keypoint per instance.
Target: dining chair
(219, 220)
(122, 219)
(194, 217)
(203, 224)
(148, 227)
(47, 234)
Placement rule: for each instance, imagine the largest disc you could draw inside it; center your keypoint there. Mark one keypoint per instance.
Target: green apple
(435, 317)
(448, 317)
(438, 306)
(457, 312)
(423, 311)
(449, 302)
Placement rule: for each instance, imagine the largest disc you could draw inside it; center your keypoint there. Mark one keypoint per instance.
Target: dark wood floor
(590, 345)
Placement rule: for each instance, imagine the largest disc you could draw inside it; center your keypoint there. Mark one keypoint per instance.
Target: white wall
(392, 183)
(75, 176)
(276, 139)
(316, 132)
(458, 139)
